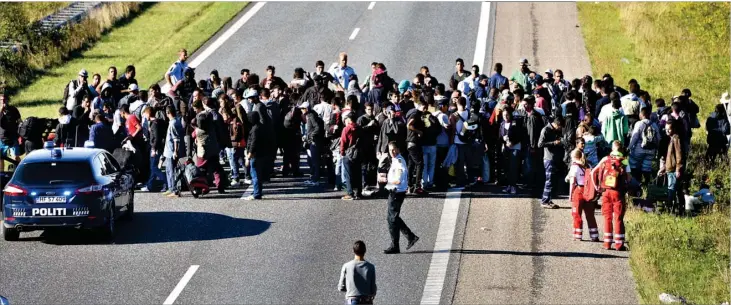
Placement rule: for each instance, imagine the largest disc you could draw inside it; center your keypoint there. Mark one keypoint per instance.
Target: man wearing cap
(341, 73)
(521, 76)
(77, 89)
(133, 96)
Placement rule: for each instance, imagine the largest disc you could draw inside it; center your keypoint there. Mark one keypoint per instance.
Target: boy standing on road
(397, 186)
(358, 278)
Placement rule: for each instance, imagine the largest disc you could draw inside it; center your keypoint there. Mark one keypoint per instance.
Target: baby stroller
(190, 177)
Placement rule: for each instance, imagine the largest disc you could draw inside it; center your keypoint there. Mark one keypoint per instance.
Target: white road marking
(355, 32)
(181, 285)
(370, 6)
(440, 259)
(222, 39)
(482, 30)
(226, 35)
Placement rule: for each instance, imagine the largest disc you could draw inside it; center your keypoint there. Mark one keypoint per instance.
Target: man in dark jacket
(415, 132)
(534, 123)
(158, 128)
(291, 137)
(9, 122)
(254, 147)
(550, 141)
(66, 129)
(369, 131)
(314, 138)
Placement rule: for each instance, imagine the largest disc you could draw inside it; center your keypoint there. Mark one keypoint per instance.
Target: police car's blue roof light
(56, 153)
(48, 145)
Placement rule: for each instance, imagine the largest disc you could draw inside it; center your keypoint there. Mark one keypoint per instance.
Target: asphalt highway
(289, 247)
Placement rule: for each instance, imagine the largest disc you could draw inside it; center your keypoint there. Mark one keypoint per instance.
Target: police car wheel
(130, 207)
(10, 234)
(108, 230)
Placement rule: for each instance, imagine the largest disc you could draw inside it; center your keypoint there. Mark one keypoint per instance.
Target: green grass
(149, 42)
(680, 256)
(668, 47)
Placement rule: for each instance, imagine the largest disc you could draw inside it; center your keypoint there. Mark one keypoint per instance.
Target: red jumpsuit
(580, 206)
(613, 207)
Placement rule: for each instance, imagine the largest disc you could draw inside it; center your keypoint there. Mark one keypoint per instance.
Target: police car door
(113, 177)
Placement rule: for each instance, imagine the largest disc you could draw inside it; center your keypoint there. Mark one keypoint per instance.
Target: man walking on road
(358, 278)
(397, 186)
(550, 141)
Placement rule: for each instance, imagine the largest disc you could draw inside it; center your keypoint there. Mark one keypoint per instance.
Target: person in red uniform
(579, 205)
(612, 175)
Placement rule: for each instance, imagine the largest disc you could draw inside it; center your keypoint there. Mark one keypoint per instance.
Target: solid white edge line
(226, 35)
(440, 258)
(181, 285)
(355, 33)
(482, 31)
(370, 6)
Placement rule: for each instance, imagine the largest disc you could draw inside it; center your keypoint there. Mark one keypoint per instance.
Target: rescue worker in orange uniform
(579, 204)
(611, 177)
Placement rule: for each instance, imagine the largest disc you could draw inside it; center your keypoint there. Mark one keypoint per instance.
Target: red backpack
(612, 172)
(589, 193)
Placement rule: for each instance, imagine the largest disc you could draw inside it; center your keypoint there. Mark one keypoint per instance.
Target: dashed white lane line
(370, 6)
(355, 32)
(482, 30)
(440, 259)
(181, 285)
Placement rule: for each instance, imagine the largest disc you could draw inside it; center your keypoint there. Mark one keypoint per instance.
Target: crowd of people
(539, 132)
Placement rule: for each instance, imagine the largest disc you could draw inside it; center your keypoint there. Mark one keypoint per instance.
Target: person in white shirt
(577, 181)
(341, 73)
(397, 184)
(175, 73)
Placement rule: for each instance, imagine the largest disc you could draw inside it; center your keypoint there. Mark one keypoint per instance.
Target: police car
(81, 188)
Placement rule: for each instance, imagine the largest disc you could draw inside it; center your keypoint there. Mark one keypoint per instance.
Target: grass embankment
(668, 47)
(41, 50)
(150, 42)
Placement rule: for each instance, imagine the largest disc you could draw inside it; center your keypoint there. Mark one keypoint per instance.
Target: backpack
(650, 138)
(31, 128)
(353, 152)
(611, 176)
(432, 125)
(138, 111)
(466, 135)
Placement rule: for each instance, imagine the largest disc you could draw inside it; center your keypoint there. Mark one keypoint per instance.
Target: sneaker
(173, 195)
(337, 189)
(506, 189)
(420, 191)
(513, 191)
(165, 193)
(391, 250)
(620, 248)
(607, 246)
(309, 183)
(412, 242)
(250, 198)
(595, 240)
(144, 189)
(235, 182)
(549, 205)
(347, 197)
(247, 181)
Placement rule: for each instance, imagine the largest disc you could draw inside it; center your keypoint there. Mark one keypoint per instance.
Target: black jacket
(257, 140)
(158, 130)
(392, 130)
(9, 122)
(315, 129)
(533, 123)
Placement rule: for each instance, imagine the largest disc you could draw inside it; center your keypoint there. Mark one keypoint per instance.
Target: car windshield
(50, 173)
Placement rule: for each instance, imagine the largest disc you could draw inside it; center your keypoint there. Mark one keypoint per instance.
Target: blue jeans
(170, 174)
(430, 161)
(255, 182)
(676, 197)
(313, 161)
(156, 173)
(339, 173)
(352, 174)
(527, 166)
(485, 168)
(235, 160)
(548, 187)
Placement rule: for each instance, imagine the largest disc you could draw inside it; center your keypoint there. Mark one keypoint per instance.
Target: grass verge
(39, 10)
(149, 42)
(668, 47)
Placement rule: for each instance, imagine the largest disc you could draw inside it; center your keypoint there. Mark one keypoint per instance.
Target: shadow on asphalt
(166, 227)
(521, 253)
